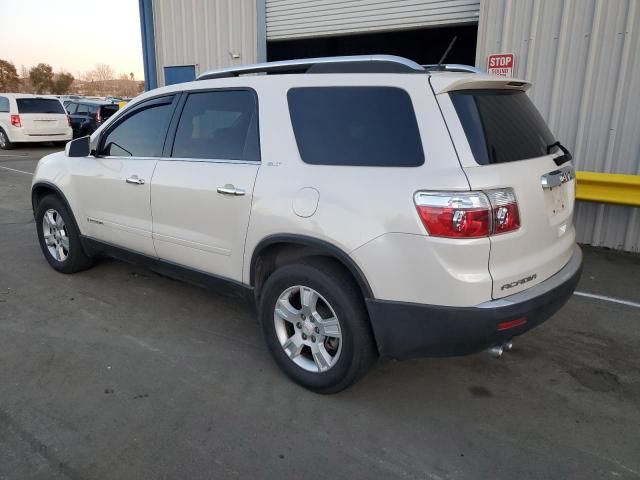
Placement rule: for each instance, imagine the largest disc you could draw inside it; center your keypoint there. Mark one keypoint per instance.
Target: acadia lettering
(522, 281)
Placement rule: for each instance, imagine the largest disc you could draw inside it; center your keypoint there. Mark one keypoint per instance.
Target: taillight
(506, 217)
(456, 215)
(98, 117)
(468, 214)
(68, 120)
(15, 121)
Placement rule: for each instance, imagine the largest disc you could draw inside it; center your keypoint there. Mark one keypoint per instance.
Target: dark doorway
(425, 45)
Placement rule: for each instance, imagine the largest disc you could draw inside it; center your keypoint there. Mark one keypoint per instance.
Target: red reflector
(509, 324)
(15, 121)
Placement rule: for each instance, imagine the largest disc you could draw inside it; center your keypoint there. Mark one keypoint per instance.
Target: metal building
(583, 57)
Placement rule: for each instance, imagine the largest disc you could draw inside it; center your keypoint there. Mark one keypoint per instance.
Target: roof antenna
(446, 52)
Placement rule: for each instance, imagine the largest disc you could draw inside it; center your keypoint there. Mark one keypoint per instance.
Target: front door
(115, 183)
(201, 193)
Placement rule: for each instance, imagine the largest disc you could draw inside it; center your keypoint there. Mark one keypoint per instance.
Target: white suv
(29, 118)
(371, 206)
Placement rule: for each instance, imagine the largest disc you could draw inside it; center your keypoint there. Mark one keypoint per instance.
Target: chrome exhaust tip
(496, 351)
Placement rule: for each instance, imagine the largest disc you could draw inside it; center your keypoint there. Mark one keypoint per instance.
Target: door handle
(231, 190)
(135, 180)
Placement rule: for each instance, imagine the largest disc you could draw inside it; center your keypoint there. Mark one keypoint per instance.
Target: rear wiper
(560, 159)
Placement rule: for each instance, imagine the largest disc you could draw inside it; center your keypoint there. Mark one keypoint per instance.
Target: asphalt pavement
(119, 373)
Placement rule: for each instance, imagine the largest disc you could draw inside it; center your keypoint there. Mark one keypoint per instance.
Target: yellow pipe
(608, 188)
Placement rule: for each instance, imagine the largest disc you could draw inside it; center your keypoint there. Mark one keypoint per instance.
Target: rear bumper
(17, 135)
(408, 330)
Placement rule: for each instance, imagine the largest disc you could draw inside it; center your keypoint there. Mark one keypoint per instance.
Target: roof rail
(345, 64)
(451, 67)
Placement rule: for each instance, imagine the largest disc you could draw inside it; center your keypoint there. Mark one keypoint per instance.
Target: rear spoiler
(477, 82)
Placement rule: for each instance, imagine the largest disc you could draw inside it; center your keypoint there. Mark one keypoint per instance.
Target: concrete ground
(118, 373)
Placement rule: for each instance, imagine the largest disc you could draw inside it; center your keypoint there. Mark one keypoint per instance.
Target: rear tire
(60, 144)
(316, 325)
(5, 143)
(59, 236)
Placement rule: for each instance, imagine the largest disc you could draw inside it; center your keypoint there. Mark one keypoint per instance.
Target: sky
(72, 35)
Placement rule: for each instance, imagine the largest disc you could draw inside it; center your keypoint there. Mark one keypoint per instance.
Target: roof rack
(451, 67)
(345, 64)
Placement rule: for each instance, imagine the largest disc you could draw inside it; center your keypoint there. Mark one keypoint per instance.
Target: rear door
(42, 116)
(503, 142)
(201, 194)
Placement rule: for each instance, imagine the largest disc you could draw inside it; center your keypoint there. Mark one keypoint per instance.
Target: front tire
(5, 143)
(59, 236)
(316, 325)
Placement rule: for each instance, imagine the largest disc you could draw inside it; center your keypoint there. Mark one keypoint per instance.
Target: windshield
(502, 125)
(39, 105)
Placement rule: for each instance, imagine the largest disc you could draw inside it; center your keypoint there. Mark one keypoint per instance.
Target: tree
(61, 83)
(104, 72)
(9, 80)
(41, 77)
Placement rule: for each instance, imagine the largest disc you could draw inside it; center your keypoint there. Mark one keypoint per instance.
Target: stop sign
(501, 64)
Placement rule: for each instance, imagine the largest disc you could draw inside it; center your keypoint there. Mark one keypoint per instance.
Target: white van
(30, 118)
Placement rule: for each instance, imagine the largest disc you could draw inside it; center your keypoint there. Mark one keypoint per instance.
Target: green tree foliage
(61, 83)
(41, 77)
(9, 80)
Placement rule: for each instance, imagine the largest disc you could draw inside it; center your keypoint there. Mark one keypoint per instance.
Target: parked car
(370, 207)
(87, 115)
(31, 118)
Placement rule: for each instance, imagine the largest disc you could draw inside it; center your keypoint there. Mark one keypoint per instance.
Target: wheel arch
(280, 249)
(42, 188)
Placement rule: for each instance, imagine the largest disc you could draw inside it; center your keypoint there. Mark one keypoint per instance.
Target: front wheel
(59, 237)
(316, 325)
(5, 143)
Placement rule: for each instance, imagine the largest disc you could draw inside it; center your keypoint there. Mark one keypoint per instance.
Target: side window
(219, 125)
(140, 134)
(358, 126)
(83, 109)
(71, 108)
(4, 104)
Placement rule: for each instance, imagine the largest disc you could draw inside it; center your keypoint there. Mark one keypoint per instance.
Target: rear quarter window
(39, 105)
(502, 125)
(357, 126)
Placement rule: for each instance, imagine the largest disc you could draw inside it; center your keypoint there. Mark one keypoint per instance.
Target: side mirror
(80, 147)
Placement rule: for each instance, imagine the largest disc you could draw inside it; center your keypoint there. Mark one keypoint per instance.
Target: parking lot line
(19, 171)
(607, 299)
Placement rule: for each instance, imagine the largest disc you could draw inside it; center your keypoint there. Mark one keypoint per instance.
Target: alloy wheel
(55, 235)
(308, 329)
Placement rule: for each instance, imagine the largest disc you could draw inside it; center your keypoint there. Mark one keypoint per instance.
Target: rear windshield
(107, 110)
(39, 105)
(360, 126)
(502, 125)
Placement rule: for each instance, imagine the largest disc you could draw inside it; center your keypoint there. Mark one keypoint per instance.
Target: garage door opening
(425, 45)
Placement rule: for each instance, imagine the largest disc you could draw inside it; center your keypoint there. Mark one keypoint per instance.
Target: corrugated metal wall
(583, 57)
(206, 33)
(312, 18)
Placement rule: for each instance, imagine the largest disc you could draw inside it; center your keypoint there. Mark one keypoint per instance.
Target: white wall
(207, 33)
